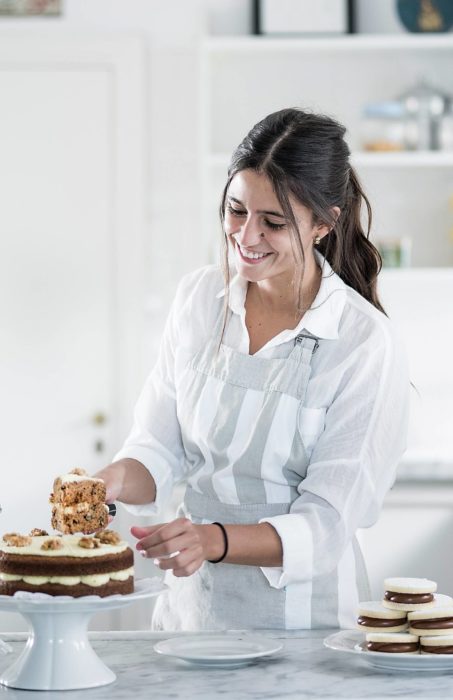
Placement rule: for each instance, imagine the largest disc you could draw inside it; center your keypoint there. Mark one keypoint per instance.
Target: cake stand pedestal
(58, 654)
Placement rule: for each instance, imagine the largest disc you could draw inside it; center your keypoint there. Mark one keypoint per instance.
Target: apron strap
(300, 339)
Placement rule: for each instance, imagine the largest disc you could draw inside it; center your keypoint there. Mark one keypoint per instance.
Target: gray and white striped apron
(241, 457)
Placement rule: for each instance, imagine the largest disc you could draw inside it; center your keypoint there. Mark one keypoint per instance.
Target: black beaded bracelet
(225, 539)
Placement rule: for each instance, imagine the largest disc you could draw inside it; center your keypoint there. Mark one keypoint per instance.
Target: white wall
(172, 31)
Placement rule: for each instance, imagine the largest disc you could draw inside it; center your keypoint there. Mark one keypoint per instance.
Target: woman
(280, 398)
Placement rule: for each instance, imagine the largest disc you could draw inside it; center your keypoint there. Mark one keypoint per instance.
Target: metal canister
(427, 105)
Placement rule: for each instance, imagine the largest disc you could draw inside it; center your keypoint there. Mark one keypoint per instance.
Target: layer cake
(66, 564)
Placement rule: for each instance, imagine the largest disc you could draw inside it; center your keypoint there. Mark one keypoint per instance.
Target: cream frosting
(93, 580)
(70, 548)
(77, 477)
(81, 507)
(77, 508)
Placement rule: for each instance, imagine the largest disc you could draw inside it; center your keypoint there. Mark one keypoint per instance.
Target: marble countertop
(303, 669)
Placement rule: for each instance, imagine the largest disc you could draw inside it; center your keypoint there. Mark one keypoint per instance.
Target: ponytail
(348, 249)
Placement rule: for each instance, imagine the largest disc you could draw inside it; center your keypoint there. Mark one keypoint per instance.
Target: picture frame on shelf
(303, 17)
(425, 16)
(30, 8)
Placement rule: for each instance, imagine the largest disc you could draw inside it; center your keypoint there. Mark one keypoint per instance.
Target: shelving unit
(245, 78)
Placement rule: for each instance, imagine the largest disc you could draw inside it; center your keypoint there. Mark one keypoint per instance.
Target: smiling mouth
(252, 258)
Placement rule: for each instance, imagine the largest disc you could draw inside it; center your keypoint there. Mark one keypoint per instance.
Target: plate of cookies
(410, 629)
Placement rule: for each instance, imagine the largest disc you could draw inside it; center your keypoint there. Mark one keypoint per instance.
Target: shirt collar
(322, 319)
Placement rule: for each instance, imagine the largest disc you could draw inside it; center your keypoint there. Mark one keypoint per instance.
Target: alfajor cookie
(391, 643)
(437, 645)
(433, 622)
(374, 617)
(409, 593)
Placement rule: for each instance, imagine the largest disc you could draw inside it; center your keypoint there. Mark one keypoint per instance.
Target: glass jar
(426, 105)
(395, 252)
(384, 127)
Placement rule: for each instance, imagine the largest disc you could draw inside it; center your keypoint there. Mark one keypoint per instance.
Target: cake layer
(78, 590)
(90, 580)
(76, 488)
(80, 518)
(35, 565)
(66, 564)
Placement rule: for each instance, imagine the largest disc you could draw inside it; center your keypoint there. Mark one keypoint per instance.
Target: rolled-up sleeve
(353, 463)
(155, 437)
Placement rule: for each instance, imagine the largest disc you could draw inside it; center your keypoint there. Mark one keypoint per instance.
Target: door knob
(99, 418)
(99, 446)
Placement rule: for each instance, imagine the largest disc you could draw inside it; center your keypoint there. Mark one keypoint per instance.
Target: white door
(69, 141)
(56, 283)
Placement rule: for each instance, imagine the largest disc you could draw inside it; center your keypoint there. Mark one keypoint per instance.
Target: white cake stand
(58, 654)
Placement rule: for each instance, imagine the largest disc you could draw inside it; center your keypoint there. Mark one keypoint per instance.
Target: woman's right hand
(128, 481)
(113, 477)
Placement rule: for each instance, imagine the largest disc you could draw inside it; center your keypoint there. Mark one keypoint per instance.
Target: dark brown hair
(304, 155)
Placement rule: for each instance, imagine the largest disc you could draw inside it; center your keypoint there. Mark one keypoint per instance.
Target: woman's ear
(335, 211)
(323, 229)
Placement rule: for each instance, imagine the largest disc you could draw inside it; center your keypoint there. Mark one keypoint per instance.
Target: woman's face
(252, 209)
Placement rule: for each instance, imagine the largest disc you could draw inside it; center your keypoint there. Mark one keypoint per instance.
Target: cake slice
(78, 503)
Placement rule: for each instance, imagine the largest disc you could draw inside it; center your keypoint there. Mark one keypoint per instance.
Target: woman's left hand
(179, 545)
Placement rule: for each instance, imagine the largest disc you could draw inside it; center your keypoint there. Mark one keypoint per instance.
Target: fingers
(189, 569)
(140, 532)
(112, 483)
(157, 534)
(184, 563)
(175, 545)
(109, 497)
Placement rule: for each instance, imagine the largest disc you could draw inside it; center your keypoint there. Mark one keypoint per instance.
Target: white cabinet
(412, 536)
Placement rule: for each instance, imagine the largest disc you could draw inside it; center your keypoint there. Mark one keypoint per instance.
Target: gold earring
(317, 240)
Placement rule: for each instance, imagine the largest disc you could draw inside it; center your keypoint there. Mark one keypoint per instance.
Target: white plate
(219, 650)
(353, 642)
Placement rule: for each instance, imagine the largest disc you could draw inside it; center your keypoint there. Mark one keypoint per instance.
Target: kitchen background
(116, 123)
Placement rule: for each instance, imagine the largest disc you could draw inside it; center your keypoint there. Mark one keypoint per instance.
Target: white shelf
(425, 274)
(348, 42)
(404, 159)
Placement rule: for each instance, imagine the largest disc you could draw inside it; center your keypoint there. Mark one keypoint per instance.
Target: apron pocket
(311, 422)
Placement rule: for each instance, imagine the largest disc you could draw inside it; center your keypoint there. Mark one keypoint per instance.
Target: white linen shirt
(357, 398)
